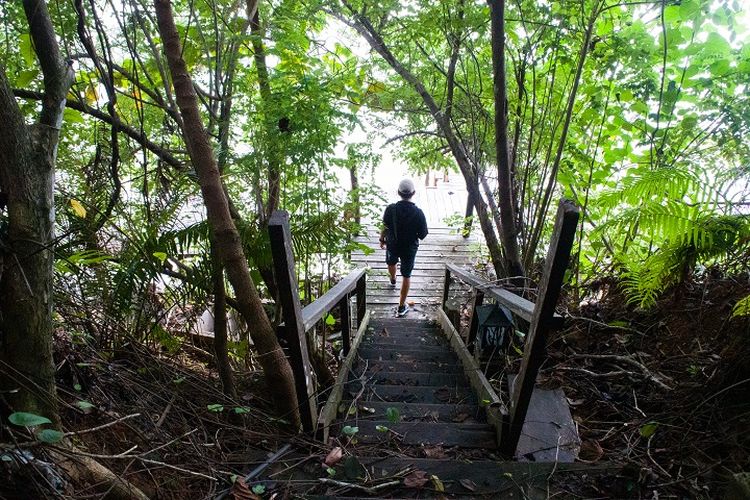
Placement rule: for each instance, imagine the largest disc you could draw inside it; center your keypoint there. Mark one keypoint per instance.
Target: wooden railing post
(346, 324)
(555, 265)
(471, 340)
(361, 299)
(446, 287)
(294, 331)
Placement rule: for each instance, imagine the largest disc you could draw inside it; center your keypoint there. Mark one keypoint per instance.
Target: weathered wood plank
(549, 433)
(518, 305)
(415, 433)
(429, 412)
(482, 388)
(294, 331)
(330, 409)
(534, 353)
(314, 312)
(417, 394)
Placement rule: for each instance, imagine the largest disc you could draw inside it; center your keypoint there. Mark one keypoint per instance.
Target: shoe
(402, 310)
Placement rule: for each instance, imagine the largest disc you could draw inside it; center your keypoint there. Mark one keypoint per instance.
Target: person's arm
(385, 227)
(422, 233)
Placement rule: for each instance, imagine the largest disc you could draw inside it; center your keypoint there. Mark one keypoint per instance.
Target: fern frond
(742, 308)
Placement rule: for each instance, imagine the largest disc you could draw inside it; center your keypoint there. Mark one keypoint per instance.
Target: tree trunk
(220, 327)
(506, 198)
(275, 366)
(27, 176)
(273, 154)
(356, 198)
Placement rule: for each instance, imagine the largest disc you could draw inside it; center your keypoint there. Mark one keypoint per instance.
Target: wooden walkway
(443, 245)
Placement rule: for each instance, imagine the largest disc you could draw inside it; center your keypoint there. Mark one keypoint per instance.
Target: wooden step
(375, 366)
(428, 412)
(412, 344)
(414, 394)
(428, 433)
(468, 479)
(406, 355)
(422, 341)
(419, 378)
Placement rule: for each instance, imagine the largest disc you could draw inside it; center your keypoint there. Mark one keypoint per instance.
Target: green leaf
(84, 405)
(381, 428)
(392, 414)
(77, 387)
(6, 458)
(689, 9)
(215, 408)
(259, 489)
(161, 256)
(716, 45)
(50, 436)
(648, 430)
(241, 410)
(353, 468)
(349, 430)
(720, 68)
(331, 471)
(27, 50)
(25, 77)
(23, 419)
(72, 116)
(742, 308)
(330, 320)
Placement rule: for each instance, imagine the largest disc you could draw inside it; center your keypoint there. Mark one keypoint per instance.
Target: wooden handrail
(315, 311)
(541, 316)
(517, 304)
(298, 321)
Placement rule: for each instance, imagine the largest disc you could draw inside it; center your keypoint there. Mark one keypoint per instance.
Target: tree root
(83, 469)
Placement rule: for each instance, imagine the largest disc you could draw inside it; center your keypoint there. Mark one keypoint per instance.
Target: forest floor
(664, 395)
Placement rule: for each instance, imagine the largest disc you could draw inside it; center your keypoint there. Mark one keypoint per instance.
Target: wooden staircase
(406, 370)
(409, 424)
(411, 414)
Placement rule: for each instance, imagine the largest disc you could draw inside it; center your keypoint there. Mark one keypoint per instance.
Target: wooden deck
(443, 245)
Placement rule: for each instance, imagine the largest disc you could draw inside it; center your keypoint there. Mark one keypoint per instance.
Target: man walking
(404, 224)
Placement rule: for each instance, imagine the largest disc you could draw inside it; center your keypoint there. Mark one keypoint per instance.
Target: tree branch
(134, 134)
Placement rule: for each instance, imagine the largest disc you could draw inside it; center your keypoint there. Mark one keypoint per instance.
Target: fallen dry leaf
(434, 452)
(416, 479)
(468, 484)
(411, 303)
(240, 491)
(443, 394)
(461, 417)
(334, 456)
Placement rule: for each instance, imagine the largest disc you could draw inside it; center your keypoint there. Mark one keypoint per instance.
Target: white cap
(406, 187)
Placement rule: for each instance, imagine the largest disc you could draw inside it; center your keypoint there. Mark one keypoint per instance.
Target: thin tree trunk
(220, 327)
(27, 176)
(276, 367)
(273, 152)
(356, 199)
(506, 198)
(545, 202)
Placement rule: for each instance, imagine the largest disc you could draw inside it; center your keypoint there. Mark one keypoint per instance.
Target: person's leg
(404, 291)
(391, 258)
(407, 265)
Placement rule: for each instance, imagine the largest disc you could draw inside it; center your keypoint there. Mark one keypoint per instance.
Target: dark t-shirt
(410, 224)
